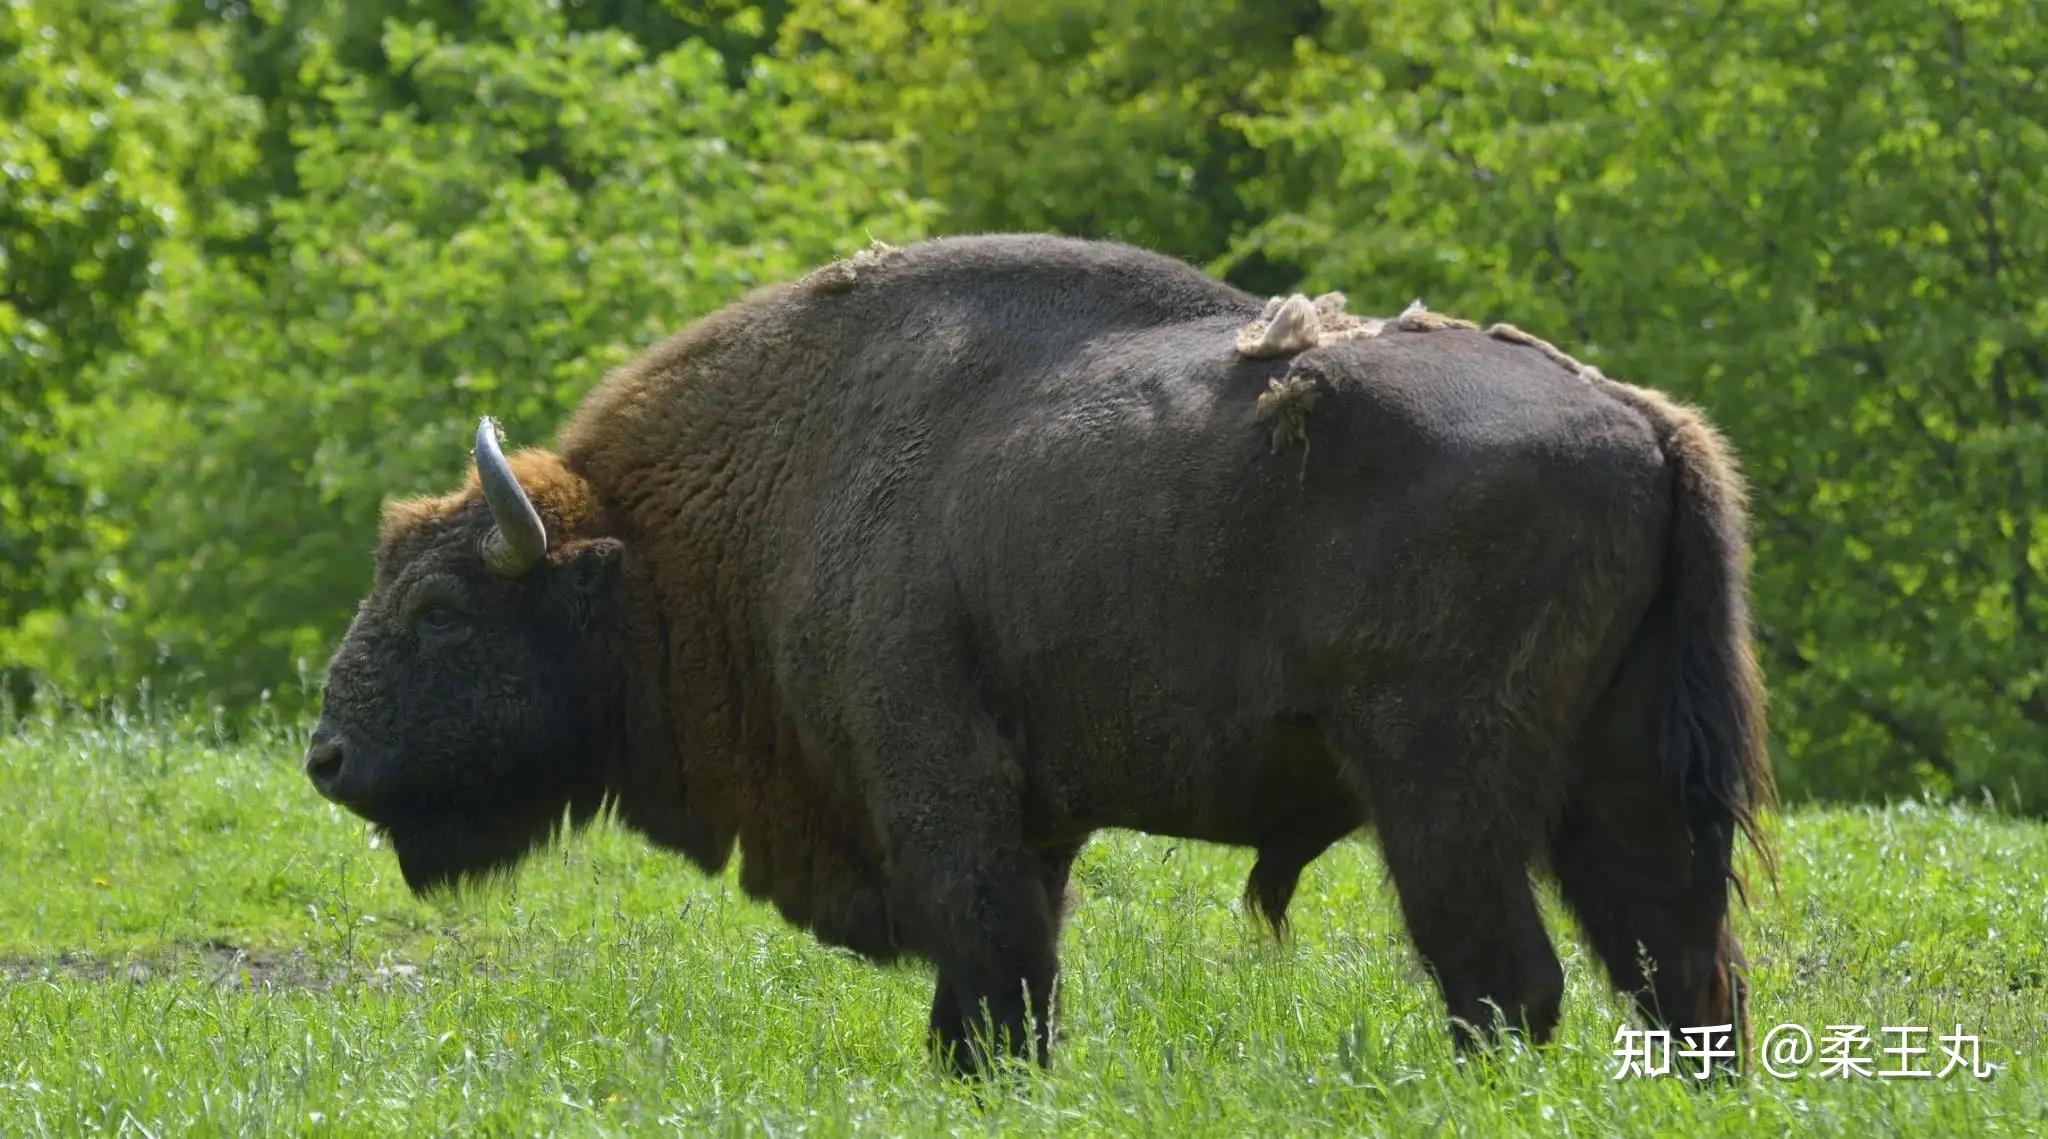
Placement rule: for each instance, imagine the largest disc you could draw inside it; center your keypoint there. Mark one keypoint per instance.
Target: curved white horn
(516, 544)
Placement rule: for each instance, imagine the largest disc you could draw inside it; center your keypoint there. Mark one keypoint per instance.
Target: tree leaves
(262, 268)
(1803, 219)
(485, 222)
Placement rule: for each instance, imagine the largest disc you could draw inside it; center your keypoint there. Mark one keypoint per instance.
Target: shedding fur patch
(1417, 318)
(1512, 335)
(836, 277)
(1339, 326)
(1286, 403)
(844, 274)
(1287, 326)
(1294, 324)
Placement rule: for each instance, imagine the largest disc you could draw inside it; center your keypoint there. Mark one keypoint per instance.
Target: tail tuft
(1714, 724)
(1270, 888)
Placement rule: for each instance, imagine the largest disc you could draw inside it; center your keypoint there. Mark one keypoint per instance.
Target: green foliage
(116, 131)
(264, 263)
(1104, 120)
(1822, 225)
(211, 948)
(476, 224)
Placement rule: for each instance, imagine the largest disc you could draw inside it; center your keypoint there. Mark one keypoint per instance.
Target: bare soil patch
(216, 964)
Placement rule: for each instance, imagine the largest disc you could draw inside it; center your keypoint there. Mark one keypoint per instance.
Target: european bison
(911, 575)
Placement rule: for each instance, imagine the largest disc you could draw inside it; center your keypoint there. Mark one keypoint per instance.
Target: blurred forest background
(263, 262)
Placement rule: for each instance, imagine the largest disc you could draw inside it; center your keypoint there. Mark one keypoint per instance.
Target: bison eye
(439, 623)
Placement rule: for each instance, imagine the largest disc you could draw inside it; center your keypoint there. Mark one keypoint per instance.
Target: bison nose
(327, 763)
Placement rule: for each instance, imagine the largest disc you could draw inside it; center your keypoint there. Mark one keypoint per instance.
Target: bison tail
(1713, 722)
(1269, 888)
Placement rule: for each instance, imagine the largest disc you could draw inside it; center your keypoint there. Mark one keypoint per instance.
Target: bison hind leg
(1457, 806)
(1651, 895)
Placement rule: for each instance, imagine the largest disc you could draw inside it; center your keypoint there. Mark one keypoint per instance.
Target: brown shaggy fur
(903, 580)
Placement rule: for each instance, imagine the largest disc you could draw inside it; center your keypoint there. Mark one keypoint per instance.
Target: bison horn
(517, 542)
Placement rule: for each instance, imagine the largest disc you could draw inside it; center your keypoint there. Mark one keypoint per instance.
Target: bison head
(459, 711)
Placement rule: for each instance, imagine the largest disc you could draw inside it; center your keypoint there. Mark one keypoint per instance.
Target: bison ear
(586, 577)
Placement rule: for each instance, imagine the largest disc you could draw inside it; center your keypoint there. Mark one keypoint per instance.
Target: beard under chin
(449, 848)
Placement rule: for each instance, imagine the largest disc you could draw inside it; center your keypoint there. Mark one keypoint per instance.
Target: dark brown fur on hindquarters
(895, 580)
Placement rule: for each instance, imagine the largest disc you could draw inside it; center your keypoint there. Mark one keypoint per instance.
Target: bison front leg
(953, 1022)
(972, 896)
(985, 923)
(1457, 843)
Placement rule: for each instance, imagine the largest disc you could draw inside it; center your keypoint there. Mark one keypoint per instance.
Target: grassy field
(191, 941)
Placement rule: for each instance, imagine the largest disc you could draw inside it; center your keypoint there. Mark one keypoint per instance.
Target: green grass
(191, 941)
